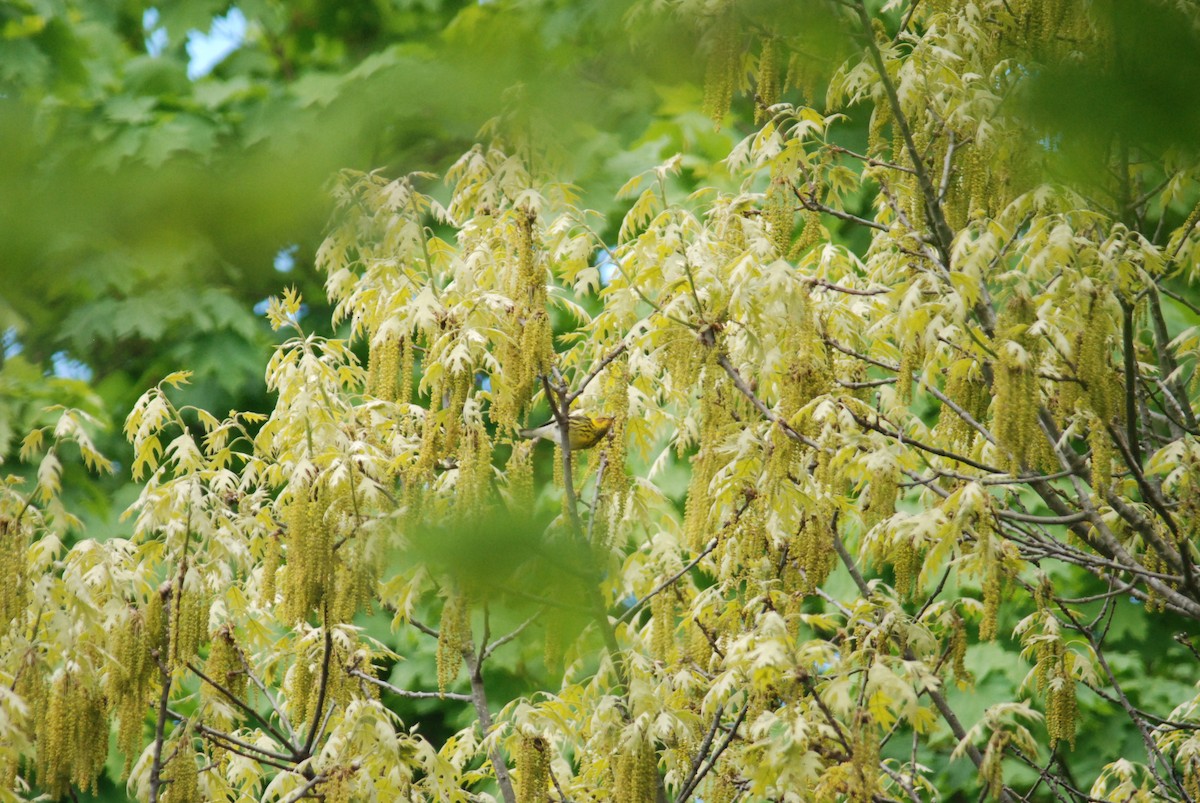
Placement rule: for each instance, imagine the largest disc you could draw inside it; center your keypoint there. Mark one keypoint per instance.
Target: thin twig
(702, 751)
(322, 690)
(1156, 758)
(303, 791)
(500, 642)
(596, 495)
(411, 695)
(479, 700)
(233, 698)
(283, 718)
(426, 629)
(164, 698)
(234, 745)
(665, 584)
(870, 160)
(592, 374)
(685, 793)
(768, 413)
(809, 202)
(837, 288)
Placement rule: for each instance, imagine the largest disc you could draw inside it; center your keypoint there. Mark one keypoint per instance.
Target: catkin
(68, 751)
(14, 583)
(454, 632)
(533, 769)
(662, 637)
(724, 61)
(767, 83)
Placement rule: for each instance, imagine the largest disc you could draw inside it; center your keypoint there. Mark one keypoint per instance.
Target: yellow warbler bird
(586, 430)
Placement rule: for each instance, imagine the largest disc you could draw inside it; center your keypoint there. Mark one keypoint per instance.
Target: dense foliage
(896, 502)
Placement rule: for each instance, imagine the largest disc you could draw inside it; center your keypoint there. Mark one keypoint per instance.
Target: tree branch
(237, 701)
(592, 374)
(500, 642)
(665, 584)
(768, 413)
(164, 697)
(479, 700)
(687, 791)
(411, 695)
(941, 229)
(322, 690)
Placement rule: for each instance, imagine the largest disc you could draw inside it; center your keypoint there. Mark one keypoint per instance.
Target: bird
(586, 430)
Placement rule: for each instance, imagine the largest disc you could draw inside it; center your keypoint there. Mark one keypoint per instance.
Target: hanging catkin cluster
(533, 769)
(272, 547)
(662, 636)
(1017, 393)
(766, 85)
(454, 633)
(864, 761)
(812, 550)
(70, 714)
(1050, 28)
(637, 772)
(1101, 396)
(614, 484)
(189, 607)
(1054, 669)
(133, 676)
(355, 576)
(303, 681)
(809, 371)
(225, 665)
(906, 563)
(181, 776)
(722, 76)
(1059, 686)
(527, 352)
(880, 502)
(957, 645)
(779, 213)
(390, 364)
(518, 477)
(812, 232)
(340, 786)
(14, 586)
(698, 511)
(966, 388)
(308, 573)
(990, 547)
(300, 689)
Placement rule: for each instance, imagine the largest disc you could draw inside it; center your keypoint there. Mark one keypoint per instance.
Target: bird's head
(602, 423)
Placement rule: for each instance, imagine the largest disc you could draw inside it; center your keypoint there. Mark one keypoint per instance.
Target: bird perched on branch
(586, 430)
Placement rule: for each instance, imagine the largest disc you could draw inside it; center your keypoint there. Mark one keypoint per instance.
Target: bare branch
(236, 745)
(810, 202)
(868, 160)
(767, 412)
(1158, 762)
(426, 629)
(702, 751)
(164, 696)
(592, 374)
(687, 791)
(500, 642)
(322, 690)
(237, 701)
(303, 791)
(479, 700)
(411, 695)
(665, 584)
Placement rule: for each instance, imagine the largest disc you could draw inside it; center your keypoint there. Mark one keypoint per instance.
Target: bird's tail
(548, 430)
